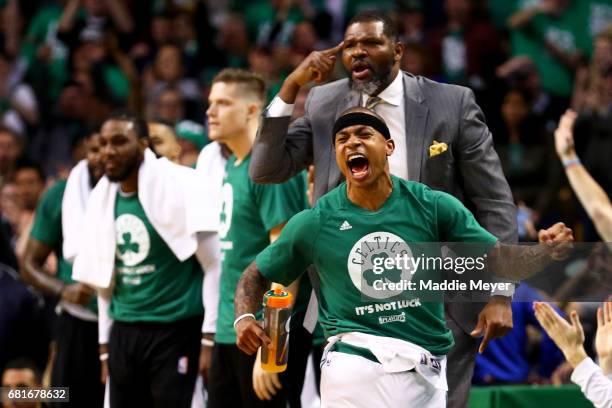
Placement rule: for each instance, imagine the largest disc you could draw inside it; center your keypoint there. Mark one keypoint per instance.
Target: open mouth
(359, 166)
(361, 70)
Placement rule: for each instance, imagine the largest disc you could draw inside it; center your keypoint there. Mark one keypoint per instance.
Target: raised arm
(69, 13)
(592, 197)
(281, 151)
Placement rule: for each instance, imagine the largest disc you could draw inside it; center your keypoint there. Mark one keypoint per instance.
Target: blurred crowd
(65, 65)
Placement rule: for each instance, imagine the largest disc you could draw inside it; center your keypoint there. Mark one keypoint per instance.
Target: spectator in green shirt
(552, 34)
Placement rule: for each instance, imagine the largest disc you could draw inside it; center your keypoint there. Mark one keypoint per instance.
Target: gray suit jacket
(470, 168)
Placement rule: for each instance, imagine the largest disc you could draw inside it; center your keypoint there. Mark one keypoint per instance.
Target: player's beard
(130, 166)
(374, 85)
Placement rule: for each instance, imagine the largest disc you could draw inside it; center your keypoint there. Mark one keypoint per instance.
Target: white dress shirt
(391, 109)
(593, 383)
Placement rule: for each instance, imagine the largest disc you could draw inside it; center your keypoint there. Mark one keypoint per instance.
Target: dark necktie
(372, 101)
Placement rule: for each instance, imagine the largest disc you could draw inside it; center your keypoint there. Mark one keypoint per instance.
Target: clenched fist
(559, 238)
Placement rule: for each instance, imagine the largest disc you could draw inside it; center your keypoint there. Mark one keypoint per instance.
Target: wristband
(571, 162)
(103, 356)
(207, 342)
(239, 318)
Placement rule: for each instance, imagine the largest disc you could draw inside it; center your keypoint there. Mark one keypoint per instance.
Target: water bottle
(277, 317)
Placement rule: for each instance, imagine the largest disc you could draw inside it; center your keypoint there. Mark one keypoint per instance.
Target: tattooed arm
(284, 261)
(519, 262)
(249, 294)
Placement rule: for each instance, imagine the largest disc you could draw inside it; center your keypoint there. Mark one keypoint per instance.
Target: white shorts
(349, 380)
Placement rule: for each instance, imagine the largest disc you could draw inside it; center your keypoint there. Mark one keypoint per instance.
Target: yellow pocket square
(437, 148)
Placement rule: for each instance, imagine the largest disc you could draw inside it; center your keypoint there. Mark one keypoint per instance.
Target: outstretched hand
(564, 136)
(603, 338)
(568, 337)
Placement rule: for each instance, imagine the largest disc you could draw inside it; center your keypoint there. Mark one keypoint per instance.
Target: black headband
(360, 118)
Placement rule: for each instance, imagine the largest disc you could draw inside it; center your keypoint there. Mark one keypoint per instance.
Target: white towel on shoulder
(172, 200)
(74, 204)
(211, 168)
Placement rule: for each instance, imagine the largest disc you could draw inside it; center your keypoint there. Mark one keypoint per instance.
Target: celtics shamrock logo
(133, 241)
(128, 245)
(365, 260)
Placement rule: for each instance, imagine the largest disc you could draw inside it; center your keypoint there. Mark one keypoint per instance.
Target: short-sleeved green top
(339, 237)
(47, 228)
(249, 212)
(151, 283)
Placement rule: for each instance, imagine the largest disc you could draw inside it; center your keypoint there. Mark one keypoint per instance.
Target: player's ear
(398, 49)
(177, 149)
(389, 146)
(254, 110)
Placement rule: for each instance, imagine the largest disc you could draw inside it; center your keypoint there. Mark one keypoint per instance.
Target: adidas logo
(345, 226)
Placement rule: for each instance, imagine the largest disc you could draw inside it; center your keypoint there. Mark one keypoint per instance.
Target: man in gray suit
(441, 140)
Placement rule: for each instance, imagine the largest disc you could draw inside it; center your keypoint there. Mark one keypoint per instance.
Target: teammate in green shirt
(252, 216)
(154, 346)
(76, 363)
(381, 351)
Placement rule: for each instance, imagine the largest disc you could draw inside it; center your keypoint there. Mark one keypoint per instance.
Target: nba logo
(183, 363)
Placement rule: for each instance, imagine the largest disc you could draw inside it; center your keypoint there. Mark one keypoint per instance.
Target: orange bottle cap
(278, 298)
